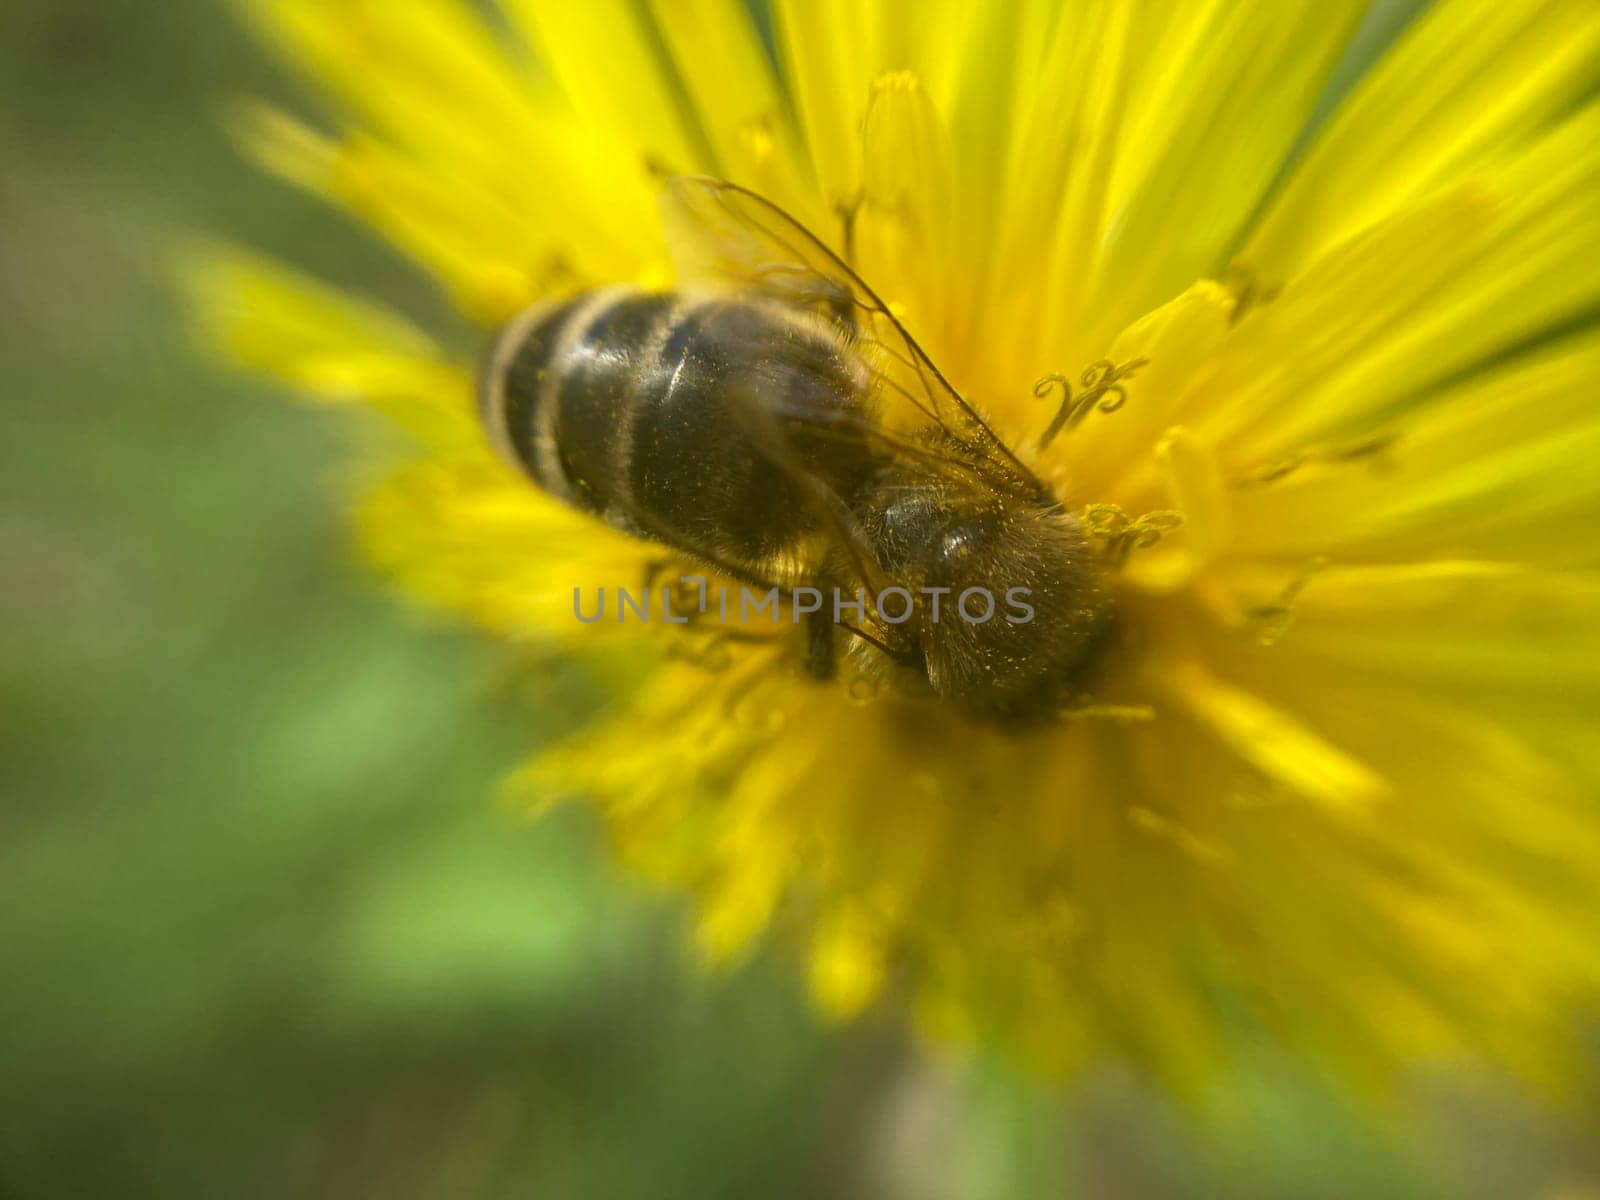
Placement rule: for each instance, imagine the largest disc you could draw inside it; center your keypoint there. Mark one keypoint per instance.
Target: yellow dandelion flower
(1310, 362)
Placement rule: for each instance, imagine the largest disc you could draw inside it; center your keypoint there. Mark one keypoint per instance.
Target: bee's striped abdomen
(556, 401)
(596, 397)
(668, 417)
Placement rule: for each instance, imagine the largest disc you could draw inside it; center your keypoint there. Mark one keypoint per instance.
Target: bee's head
(1009, 604)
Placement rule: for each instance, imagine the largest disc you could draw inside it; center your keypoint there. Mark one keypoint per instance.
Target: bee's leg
(848, 211)
(843, 306)
(653, 569)
(820, 660)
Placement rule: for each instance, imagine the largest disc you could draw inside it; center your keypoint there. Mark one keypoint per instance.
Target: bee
(774, 420)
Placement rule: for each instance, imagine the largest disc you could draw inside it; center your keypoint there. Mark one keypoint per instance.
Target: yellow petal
(847, 963)
(984, 81)
(433, 90)
(1502, 628)
(1274, 742)
(428, 75)
(491, 260)
(1053, 170)
(1498, 656)
(1495, 466)
(717, 53)
(902, 229)
(828, 57)
(603, 58)
(1197, 492)
(469, 535)
(328, 344)
(1470, 82)
(1109, 453)
(1422, 298)
(1302, 365)
(1222, 95)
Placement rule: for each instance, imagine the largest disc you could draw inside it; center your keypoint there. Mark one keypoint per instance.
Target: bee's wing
(724, 235)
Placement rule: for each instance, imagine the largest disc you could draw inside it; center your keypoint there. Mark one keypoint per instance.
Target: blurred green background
(262, 930)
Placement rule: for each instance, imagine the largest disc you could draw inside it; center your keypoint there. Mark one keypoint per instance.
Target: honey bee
(773, 420)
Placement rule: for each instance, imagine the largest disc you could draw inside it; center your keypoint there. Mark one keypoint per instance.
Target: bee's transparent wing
(722, 235)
